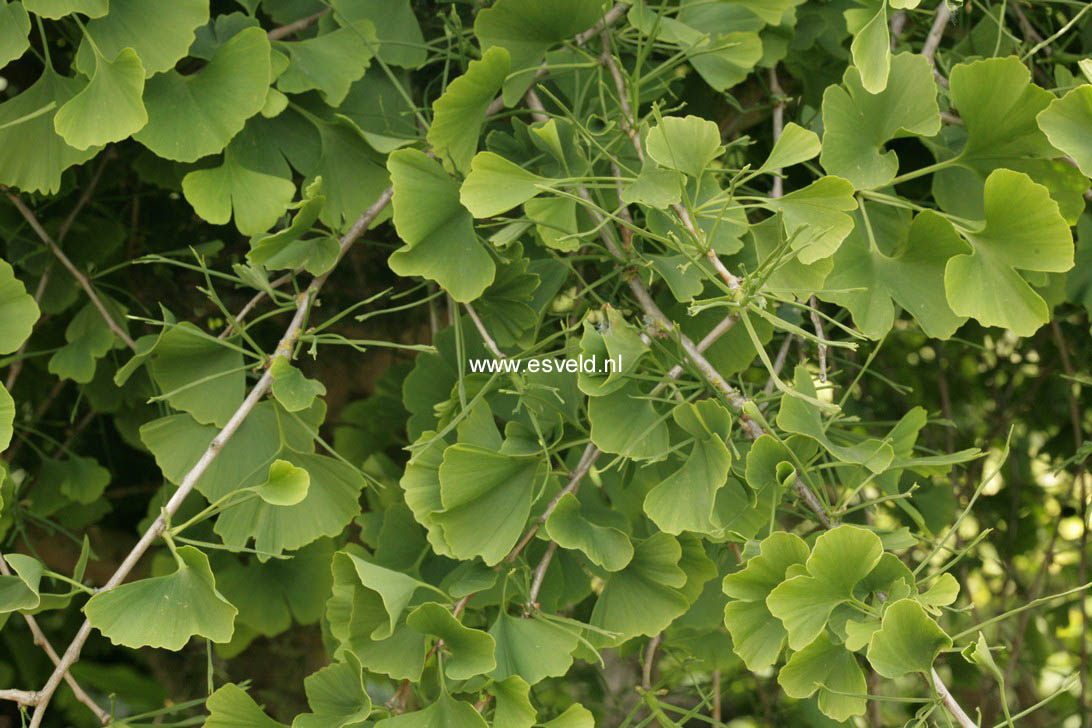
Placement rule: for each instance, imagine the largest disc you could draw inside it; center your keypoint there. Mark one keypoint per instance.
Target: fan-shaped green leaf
(799, 416)
(292, 389)
(496, 185)
(618, 346)
(459, 113)
(528, 29)
(487, 498)
(32, 153)
(116, 85)
(399, 34)
(815, 217)
(871, 47)
(165, 611)
(20, 590)
(14, 28)
(438, 231)
(531, 648)
(88, 339)
(644, 597)
(832, 670)
(1066, 123)
(160, 33)
(795, 145)
(329, 62)
(841, 558)
(625, 423)
(857, 124)
(197, 374)
(18, 310)
(193, 116)
(758, 636)
(336, 695)
(469, 652)
(608, 547)
(446, 712)
(1023, 230)
(913, 279)
(908, 641)
(256, 190)
(999, 105)
(352, 176)
(231, 707)
(514, 709)
(686, 499)
(56, 9)
(685, 144)
(575, 716)
(286, 485)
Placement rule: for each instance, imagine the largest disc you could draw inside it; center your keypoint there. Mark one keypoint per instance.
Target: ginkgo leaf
(857, 124)
(655, 186)
(758, 636)
(337, 696)
(620, 344)
(329, 62)
(575, 716)
(32, 154)
(799, 416)
(7, 420)
(514, 709)
(1066, 123)
(438, 231)
(193, 116)
(1023, 230)
(486, 497)
(496, 185)
(246, 184)
(231, 707)
(644, 597)
(908, 641)
(286, 485)
(998, 105)
(394, 589)
(19, 591)
(353, 176)
(686, 499)
(160, 34)
(815, 217)
(459, 113)
(88, 338)
(14, 29)
(840, 559)
(165, 611)
(686, 144)
(446, 712)
(292, 389)
(871, 47)
(396, 27)
(116, 85)
(532, 649)
(528, 30)
(627, 424)
(608, 547)
(832, 670)
(869, 283)
(197, 374)
(795, 145)
(57, 9)
(468, 652)
(18, 310)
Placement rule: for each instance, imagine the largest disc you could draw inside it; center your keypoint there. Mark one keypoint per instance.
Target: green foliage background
(841, 248)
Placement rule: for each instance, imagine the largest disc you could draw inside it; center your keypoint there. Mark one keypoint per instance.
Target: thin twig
(34, 697)
(254, 301)
(817, 322)
(778, 127)
(85, 284)
(294, 27)
(540, 572)
(285, 348)
(650, 660)
(950, 702)
(486, 337)
(898, 22)
(932, 41)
